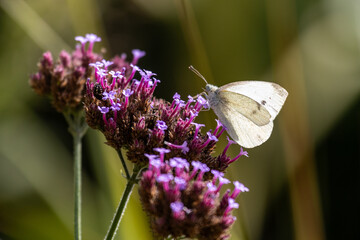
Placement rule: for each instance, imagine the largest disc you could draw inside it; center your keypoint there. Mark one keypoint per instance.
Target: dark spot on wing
(263, 102)
(253, 112)
(258, 106)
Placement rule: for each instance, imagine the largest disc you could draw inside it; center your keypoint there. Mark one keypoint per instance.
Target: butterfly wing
(245, 106)
(269, 95)
(242, 130)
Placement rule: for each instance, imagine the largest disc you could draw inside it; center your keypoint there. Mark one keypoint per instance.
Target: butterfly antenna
(197, 73)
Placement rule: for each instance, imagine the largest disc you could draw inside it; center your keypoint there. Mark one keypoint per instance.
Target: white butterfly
(247, 108)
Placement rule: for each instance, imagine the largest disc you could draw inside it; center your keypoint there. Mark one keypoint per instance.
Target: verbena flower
(181, 203)
(125, 110)
(64, 80)
(180, 190)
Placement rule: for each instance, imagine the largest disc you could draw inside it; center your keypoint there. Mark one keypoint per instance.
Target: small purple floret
(241, 187)
(128, 92)
(176, 96)
(162, 150)
(116, 107)
(233, 204)
(165, 178)
(109, 95)
(137, 55)
(212, 137)
(106, 63)
(103, 110)
(211, 187)
(180, 182)
(96, 65)
(161, 125)
(179, 163)
(92, 37)
(81, 39)
(176, 207)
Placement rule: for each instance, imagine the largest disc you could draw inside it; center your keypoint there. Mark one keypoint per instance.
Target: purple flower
(176, 207)
(217, 174)
(103, 110)
(178, 162)
(197, 128)
(106, 63)
(96, 65)
(162, 152)
(165, 178)
(81, 39)
(199, 166)
(116, 74)
(128, 92)
(212, 137)
(151, 156)
(239, 188)
(201, 103)
(109, 95)
(202, 166)
(102, 72)
(92, 37)
(148, 74)
(233, 204)
(177, 210)
(116, 107)
(222, 181)
(242, 153)
(190, 99)
(137, 55)
(211, 187)
(161, 125)
(184, 147)
(176, 96)
(64, 79)
(136, 82)
(180, 182)
(228, 145)
(219, 125)
(155, 163)
(161, 189)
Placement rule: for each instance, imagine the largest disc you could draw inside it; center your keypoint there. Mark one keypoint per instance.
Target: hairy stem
(77, 128)
(124, 164)
(123, 202)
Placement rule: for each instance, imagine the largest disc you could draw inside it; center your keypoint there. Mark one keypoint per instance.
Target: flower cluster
(130, 117)
(179, 192)
(181, 203)
(64, 80)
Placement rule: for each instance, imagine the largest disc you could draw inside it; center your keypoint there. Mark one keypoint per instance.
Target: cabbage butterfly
(246, 108)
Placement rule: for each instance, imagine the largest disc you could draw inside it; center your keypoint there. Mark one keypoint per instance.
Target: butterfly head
(209, 88)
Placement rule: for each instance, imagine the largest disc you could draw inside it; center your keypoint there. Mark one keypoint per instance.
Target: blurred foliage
(304, 182)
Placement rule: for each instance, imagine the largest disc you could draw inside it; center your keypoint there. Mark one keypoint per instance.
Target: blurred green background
(304, 182)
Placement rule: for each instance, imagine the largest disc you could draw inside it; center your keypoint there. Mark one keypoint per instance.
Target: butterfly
(247, 109)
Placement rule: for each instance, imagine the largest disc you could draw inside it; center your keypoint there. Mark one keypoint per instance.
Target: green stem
(77, 128)
(124, 164)
(123, 202)
(77, 189)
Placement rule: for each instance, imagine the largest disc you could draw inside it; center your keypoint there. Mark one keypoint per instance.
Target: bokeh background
(304, 182)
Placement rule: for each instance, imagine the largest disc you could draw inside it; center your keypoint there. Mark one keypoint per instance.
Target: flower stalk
(123, 202)
(63, 82)
(124, 164)
(77, 128)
